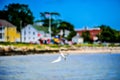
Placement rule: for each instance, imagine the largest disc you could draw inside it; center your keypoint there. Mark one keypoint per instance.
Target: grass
(44, 46)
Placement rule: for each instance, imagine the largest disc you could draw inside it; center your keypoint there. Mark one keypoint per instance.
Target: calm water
(76, 67)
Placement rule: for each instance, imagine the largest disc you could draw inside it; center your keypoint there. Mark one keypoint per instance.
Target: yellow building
(8, 32)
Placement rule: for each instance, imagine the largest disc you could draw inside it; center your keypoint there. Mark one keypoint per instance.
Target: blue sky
(80, 13)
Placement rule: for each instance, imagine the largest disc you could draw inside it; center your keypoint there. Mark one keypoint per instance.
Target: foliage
(50, 19)
(108, 34)
(67, 26)
(17, 14)
(57, 24)
(71, 35)
(86, 36)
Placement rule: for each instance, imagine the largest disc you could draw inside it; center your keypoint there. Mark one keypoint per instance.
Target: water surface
(76, 67)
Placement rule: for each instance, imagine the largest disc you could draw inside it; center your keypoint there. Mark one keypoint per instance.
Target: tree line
(17, 13)
(21, 15)
(107, 34)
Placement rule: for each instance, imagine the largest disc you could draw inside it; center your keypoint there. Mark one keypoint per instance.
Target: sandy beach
(94, 50)
(8, 51)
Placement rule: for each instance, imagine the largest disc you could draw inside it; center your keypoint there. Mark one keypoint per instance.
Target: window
(24, 32)
(33, 33)
(7, 37)
(0, 27)
(29, 28)
(0, 35)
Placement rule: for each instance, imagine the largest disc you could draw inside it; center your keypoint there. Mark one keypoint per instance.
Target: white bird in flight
(59, 57)
(57, 60)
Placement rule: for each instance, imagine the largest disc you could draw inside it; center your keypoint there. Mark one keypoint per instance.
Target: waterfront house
(34, 33)
(8, 32)
(93, 32)
(77, 39)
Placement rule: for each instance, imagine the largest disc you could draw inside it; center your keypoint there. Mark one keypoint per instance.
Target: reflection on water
(76, 67)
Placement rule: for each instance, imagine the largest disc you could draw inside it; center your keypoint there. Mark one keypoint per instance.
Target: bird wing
(57, 60)
(62, 54)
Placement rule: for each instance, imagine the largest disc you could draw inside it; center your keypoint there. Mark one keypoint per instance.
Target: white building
(66, 33)
(32, 34)
(77, 39)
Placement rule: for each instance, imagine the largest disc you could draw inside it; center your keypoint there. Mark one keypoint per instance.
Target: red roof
(93, 32)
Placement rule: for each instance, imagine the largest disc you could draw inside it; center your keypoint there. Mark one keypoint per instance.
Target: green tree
(108, 34)
(118, 36)
(51, 19)
(86, 36)
(15, 13)
(67, 26)
(46, 16)
(71, 35)
(57, 24)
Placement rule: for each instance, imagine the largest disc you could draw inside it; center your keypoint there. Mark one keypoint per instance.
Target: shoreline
(95, 50)
(11, 51)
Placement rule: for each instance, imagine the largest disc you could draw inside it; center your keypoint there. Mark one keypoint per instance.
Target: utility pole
(50, 32)
(7, 32)
(20, 30)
